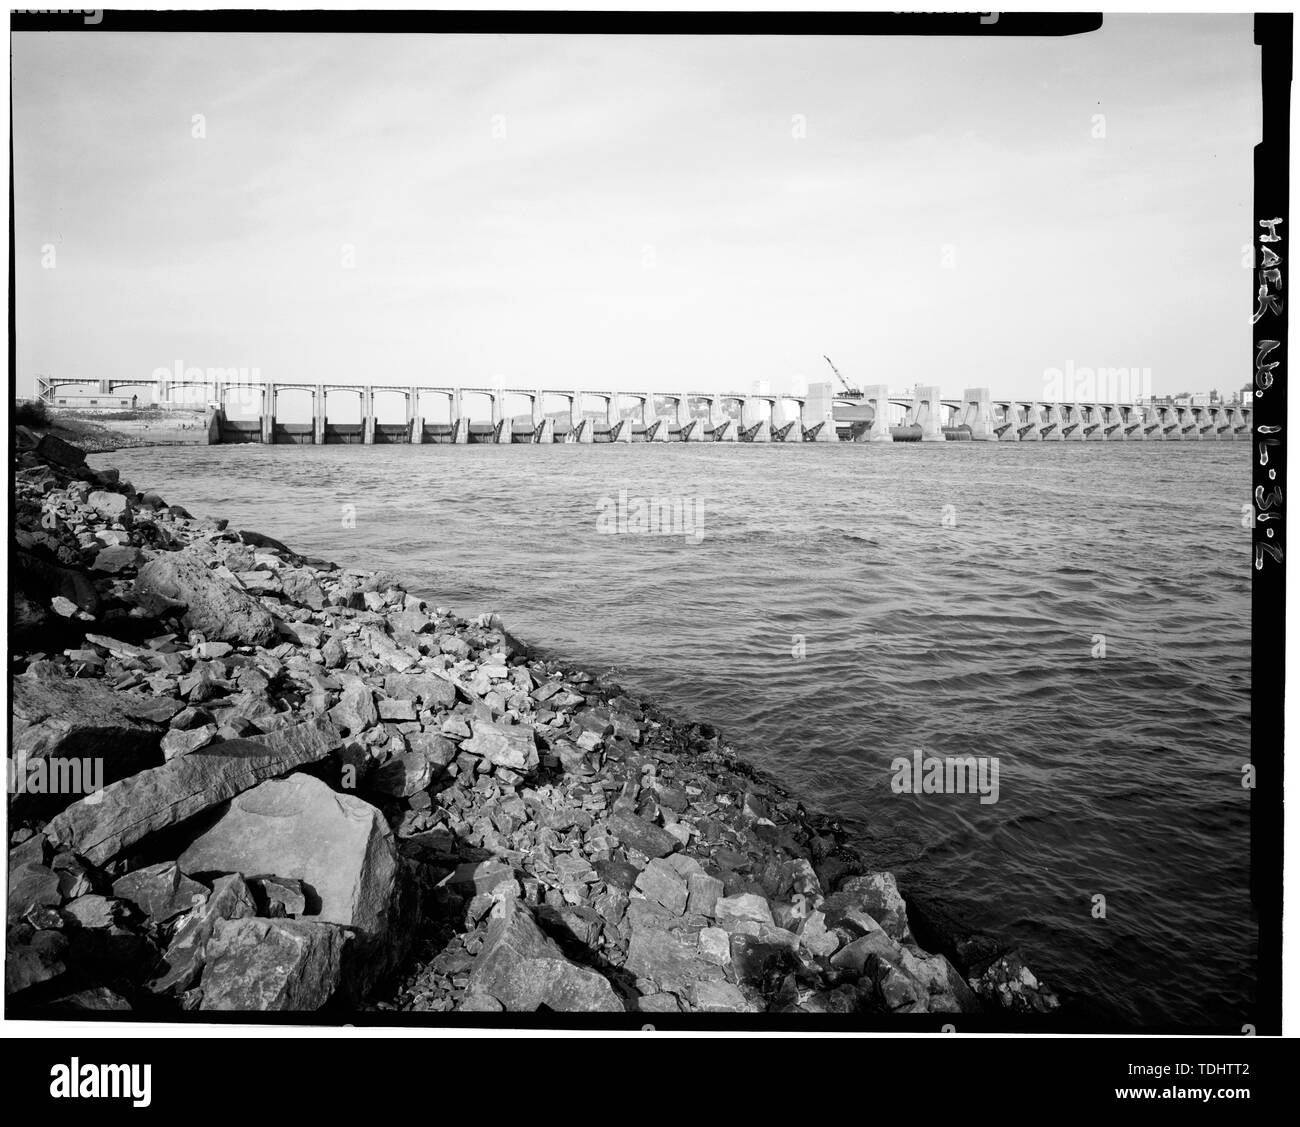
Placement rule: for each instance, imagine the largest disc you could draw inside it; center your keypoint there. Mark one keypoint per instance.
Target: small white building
(96, 401)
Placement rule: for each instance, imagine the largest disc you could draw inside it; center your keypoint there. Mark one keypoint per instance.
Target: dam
(494, 415)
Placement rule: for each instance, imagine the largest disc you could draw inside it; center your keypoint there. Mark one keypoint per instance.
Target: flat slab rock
(644, 836)
(524, 970)
(101, 826)
(504, 745)
(338, 845)
(161, 891)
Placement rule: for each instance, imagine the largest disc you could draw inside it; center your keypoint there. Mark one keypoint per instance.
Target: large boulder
(504, 745)
(875, 895)
(663, 884)
(355, 711)
(897, 991)
(116, 559)
(338, 845)
(66, 719)
(301, 586)
(218, 610)
(524, 970)
(853, 956)
(54, 449)
(101, 826)
(732, 911)
(426, 689)
(948, 991)
(663, 961)
(257, 964)
(111, 506)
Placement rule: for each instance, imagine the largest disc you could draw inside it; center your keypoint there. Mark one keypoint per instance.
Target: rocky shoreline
(242, 780)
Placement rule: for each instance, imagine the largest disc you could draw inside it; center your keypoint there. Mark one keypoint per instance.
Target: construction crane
(851, 392)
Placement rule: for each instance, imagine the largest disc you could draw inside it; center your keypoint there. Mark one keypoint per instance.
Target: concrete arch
(478, 414)
(555, 409)
(632, 412)
(650, 420)
(388, 433)
(1007, 420)
(293, 389)
(1171, 422)
(434, 405)
(585, 421)
(255, 403)
(333, 424)
(514, 414)
(553, 402)
(276, 429)
(388, 394)
(1073, 422)
(47, 388)
(436, 415)
(584, 405)
(755, 421)
(513, 401)
(723, 419)
(246, 396)
(676, 416)
(786, 418)
(1205, 423)
(336, 389)
(475, 403)
(113, 385)
(899, 412)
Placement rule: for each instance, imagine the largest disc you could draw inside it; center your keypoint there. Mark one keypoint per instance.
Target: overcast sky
(672, 212)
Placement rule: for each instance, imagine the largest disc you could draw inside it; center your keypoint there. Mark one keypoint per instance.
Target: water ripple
(952, 598)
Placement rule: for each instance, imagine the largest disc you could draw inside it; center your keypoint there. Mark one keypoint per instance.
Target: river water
(1079, 612)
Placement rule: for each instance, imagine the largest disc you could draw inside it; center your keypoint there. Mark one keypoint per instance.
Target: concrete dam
(817, 415)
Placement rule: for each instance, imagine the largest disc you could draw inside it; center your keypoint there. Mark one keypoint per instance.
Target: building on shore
(96, 401)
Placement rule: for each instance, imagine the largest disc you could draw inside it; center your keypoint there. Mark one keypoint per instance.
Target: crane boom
(848, 390)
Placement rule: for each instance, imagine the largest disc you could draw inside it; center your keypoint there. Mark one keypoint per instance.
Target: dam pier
(536, 415)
